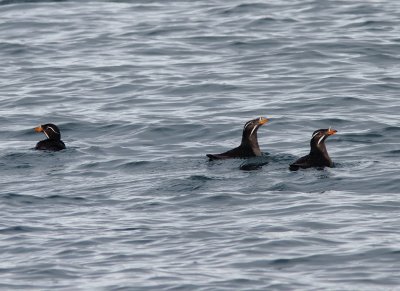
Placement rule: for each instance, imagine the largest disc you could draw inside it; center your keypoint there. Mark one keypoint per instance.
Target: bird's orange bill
(331, 131)
(38, 129)
(262, 120)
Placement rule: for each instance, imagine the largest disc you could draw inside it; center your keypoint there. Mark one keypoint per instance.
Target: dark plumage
(318, 156)
(53, 141)
(249, 146)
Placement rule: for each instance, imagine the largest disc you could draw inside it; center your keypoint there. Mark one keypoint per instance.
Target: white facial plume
(320, 139)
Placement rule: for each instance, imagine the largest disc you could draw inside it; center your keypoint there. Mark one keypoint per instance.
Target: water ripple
(143, 90)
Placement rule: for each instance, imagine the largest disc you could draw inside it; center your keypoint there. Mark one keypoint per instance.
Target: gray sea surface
(142, 90)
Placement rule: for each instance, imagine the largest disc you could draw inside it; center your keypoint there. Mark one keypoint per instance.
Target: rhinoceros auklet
(318, 156)
(249, 146)
(53, 141)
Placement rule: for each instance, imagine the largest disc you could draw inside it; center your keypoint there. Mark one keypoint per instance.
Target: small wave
(394, 153)
(131, 229)
(355, 164)
(370, 24)
(255, 163)
(20, 198)
(14, 48)
(30, 199)
(205, 87)
(392, 129)
(191, 183)
(134, 164)
(281, 186)
(21, 229)
(276, 19)
(200, 178)
(364, 137)
(245, 8)
(9, 2)
(219, 199)
(252, 166)
(64, 198)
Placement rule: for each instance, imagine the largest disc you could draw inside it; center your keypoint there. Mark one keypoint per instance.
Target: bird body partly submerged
(248, 147)
(318, 156)
(50, 145)
(53, 141)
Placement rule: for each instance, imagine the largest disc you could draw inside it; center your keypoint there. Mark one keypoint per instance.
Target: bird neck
(251, 142)
(53, 136)
(319, 151)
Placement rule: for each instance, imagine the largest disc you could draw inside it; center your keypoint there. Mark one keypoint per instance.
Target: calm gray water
(142, 90)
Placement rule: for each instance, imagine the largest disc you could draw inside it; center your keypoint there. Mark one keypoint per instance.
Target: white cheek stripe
(46, 134)
(253, 130)
(320, 139)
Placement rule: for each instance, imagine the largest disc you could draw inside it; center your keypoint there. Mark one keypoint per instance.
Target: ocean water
(142, 90)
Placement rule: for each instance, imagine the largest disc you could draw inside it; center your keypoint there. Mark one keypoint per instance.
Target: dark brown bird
(249, 146)
(318, 156)
(53, 141)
